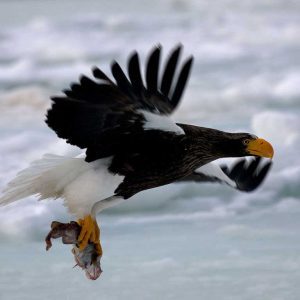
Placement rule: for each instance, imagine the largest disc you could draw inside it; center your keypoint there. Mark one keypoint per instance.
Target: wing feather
(243, 175)
(99, 114)
(100, 75)
(135, 76)
(152, 70)
(169, 72)
(121, 79)
(181, 82)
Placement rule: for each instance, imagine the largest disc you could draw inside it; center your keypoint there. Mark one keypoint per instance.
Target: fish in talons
(88, 259)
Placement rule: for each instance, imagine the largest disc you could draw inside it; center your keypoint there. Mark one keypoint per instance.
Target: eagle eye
(246, 141)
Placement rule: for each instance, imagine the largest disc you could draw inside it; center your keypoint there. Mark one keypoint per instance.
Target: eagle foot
(90, 233)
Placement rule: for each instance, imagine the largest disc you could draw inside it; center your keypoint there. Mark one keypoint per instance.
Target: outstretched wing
(100, 115)
(243, 175)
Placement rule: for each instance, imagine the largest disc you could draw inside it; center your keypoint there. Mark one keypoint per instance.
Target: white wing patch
(213, 170)
(159, 122)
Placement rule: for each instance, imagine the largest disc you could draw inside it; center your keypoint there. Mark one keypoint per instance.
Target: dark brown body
(158, 157)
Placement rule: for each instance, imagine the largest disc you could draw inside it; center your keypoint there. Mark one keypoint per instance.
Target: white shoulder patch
(159, 122)
(214, 170)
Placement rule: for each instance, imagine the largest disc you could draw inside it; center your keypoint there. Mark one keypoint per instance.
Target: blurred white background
(192, 241)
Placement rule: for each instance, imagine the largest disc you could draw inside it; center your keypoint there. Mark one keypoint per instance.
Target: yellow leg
(90, 232)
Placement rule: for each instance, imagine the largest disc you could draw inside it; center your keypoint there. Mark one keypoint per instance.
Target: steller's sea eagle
(132, 144)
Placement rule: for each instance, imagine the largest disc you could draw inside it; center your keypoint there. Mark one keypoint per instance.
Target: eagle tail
(46, 177)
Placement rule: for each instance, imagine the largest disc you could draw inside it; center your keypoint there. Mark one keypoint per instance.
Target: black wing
(99, 115)
(243, 175)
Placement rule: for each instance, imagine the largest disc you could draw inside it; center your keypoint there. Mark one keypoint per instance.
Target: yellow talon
(90, 232)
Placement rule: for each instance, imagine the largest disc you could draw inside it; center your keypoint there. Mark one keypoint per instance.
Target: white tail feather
(46, 178)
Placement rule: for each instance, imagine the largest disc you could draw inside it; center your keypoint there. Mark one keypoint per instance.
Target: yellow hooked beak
(260, 147)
